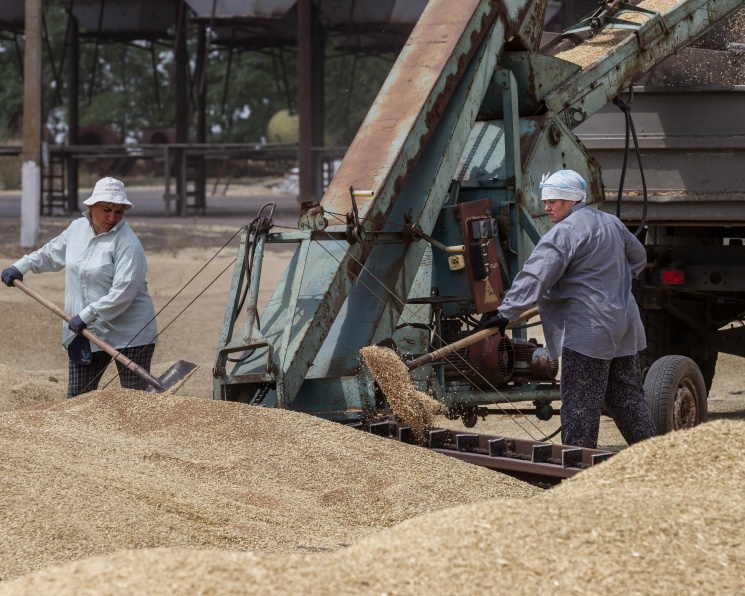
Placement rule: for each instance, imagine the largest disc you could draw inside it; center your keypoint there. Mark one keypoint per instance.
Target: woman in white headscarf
(579, 275)
(104, 286)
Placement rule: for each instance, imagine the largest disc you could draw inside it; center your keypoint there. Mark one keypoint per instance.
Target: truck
(682, 183)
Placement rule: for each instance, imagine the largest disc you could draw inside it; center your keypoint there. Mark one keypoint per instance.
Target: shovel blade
(174, 375)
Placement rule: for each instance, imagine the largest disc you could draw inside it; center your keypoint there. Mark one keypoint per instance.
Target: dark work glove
(495, 321)
(9, 275)
(76, 324)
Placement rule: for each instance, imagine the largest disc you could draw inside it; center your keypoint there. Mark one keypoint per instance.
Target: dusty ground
(122, 494)
(191, 321)
(189, 273)
(662, 517)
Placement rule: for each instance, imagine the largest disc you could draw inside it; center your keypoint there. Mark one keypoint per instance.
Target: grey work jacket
(579, 275)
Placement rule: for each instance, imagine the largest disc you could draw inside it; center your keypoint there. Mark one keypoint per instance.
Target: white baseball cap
(109, 190)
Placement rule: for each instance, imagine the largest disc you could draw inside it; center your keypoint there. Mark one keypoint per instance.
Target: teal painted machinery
(433, 212)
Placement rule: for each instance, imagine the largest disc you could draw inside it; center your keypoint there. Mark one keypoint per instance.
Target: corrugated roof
(132, 19)
(333, 12)
(241, 9)
(401, 12)
(12, 14)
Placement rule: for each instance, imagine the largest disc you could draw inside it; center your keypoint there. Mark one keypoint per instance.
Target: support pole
(305, 102)
(31, 168)
(200, 78)
(73, 122)
(182, 108)
(318, 102)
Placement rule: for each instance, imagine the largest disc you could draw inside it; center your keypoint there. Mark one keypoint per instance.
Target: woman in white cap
(104, 286)
(579, 275)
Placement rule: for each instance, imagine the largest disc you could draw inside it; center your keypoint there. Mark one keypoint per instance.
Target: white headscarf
(567, 185)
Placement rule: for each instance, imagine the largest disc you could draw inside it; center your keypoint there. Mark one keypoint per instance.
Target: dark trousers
(587, 383)
(85, 378)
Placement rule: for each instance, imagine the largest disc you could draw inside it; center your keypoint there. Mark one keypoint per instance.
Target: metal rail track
(532, 461)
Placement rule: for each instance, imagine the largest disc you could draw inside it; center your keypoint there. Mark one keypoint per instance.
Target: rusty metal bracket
(355, 232)
(312, 217)
(412, 233)
(264, 224)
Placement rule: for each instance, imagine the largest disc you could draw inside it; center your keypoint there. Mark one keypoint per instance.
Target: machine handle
(467, 341)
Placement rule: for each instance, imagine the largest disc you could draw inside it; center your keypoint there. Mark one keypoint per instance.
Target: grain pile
(600, 44)
(20, 388)
(662, 517)
(122, 469)
(409, 405)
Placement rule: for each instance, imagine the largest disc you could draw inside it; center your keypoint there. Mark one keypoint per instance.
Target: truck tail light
(672, 277)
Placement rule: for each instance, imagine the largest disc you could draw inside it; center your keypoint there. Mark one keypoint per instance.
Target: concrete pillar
(31, 155)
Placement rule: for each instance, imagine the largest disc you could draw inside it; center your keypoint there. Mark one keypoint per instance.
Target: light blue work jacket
(104, 282)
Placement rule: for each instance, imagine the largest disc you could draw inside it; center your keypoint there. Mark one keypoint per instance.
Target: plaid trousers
(587, 383)
(85, 378)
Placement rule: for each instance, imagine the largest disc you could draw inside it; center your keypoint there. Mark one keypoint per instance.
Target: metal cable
(176, 296)
(364, 268)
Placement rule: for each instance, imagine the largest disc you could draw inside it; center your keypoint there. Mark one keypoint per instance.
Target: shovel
(467, 341)
(168, 379)
(412, 409)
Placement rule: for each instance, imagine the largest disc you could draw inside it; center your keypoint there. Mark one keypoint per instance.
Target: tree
(130, 86)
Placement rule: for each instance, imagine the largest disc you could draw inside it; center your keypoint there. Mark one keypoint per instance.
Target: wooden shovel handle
(467, 341)
(110, 350)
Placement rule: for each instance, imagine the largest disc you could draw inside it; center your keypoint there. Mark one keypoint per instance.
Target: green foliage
(11, 91)
(244, 91)
(130, 87)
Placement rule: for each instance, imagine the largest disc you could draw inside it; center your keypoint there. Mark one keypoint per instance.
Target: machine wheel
(469, 417)
(676, 392)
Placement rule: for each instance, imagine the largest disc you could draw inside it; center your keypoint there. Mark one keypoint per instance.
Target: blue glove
(76, 324)
(11, 274)
(495, 321)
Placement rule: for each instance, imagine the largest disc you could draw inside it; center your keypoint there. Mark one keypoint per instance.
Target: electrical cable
(625, 107)
(551, 436)
(247, 265)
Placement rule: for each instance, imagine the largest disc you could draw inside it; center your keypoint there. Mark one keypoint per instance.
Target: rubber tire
(469, 417)
(676, 393)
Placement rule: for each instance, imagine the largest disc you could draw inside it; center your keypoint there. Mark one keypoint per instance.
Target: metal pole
(200, 182)
(317, 102)
(305, 100)
(31, 169)
(182, 106)
(167, 177)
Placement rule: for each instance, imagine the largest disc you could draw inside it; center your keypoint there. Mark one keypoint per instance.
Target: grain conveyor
(435, 208)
